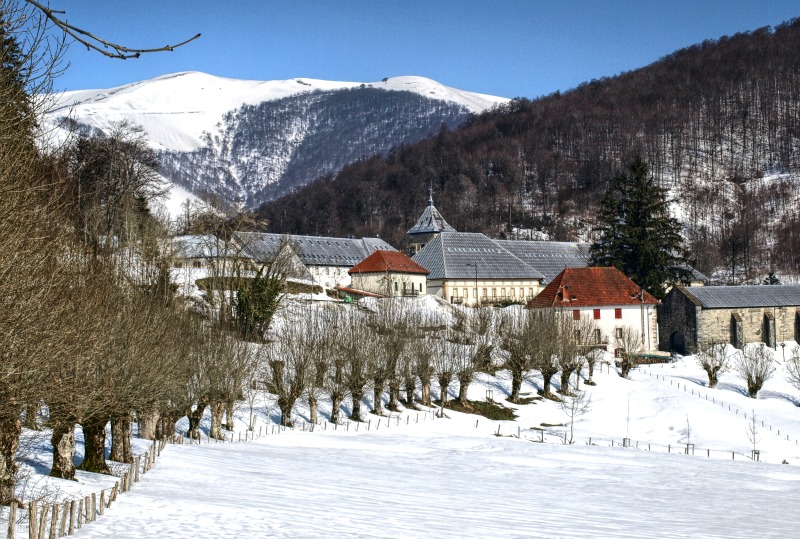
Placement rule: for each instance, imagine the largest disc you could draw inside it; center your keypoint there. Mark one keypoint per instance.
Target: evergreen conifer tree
(637, 235)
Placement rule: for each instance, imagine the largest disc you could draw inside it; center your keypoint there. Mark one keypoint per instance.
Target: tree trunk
(565, 376)
(425, 397)
(516, 385)
(590, 381)
(217, 409)
(313, 406)
(444, 383)
(546, 381)
(357, 394)
(10, 431)
(463, 389)
(229, 419)
(94, 440)
(336, 404)
(286, 404)
(166, 425)
(195, 416)
(712, 379)
(410, 386)
(31, 414)
(63, 441)
(394, 395)
(148, 425)
(121, 439)
(377, 397)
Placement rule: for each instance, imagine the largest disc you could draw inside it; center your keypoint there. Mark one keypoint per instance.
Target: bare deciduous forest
(718, 123)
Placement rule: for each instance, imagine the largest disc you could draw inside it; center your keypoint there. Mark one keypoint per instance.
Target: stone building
(690, 318)
(429, 225)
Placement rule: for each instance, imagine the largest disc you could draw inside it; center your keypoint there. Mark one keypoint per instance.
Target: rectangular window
(616, 352)
(494, 292)
(598, 336)
(197, 264)
(466, 293)
(618, 333)
(502, 292)
(576, 314)
(617, 313)
(597, 314)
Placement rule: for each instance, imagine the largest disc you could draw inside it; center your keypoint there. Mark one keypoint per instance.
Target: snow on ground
(424, 476)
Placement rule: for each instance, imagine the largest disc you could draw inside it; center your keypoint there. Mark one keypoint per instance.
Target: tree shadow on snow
(769, 394)
(732, 387)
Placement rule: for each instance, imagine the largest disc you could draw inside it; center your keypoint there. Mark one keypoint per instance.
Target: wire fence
(734, 409)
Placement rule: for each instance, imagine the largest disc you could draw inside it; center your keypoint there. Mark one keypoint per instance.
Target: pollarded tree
(629, 342)
(444, 365)
(755, 365)
(714, 359)
(793, 368)
(422, 351)
(589, 338)
(638, 235)
(517, 334)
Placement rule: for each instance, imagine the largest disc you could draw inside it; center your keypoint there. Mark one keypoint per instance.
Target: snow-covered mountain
(251, 141)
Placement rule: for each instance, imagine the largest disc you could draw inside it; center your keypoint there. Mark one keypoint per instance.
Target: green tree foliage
(256, 301)
(637, 234)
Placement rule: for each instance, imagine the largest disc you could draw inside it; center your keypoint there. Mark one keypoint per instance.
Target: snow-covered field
(453, 477)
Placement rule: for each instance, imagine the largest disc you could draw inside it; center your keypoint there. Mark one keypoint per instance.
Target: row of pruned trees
(395, 352)
(753, 364)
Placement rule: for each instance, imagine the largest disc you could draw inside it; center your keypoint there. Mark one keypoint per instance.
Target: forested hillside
(718, 122)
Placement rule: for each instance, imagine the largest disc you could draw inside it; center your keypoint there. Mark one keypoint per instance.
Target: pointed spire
(430, 195)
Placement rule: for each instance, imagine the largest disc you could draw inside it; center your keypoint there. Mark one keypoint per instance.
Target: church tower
(429, 225)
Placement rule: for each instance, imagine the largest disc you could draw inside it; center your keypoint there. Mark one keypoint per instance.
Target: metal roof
(549, 257)
(456, 255)
(430, 221)
(731, 297)
(312, 250)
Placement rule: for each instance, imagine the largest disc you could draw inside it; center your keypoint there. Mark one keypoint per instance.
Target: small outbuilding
(389, 273)
(690, 318)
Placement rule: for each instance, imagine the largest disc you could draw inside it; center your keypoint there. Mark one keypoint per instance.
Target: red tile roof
(382, 261)
(591, 287)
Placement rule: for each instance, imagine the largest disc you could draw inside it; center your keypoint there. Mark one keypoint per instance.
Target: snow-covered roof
(312, 250)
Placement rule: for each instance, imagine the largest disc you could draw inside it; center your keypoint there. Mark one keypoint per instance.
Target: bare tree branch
(96, 43)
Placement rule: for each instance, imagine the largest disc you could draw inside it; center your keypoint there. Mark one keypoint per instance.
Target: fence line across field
(724, 405)
(45, 520)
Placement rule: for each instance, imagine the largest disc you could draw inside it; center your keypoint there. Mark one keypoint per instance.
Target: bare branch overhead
(93, 42)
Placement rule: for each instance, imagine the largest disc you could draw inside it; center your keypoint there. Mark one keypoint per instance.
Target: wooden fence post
(33, 521)
(71, 517)
(12, 520)
(102, 502)
(42, 524)
(64, 519)
(94, 506)
(87, 510)
(136, 470)
(79, 521)
(53, 522)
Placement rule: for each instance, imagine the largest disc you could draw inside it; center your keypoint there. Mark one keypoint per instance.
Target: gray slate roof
(549, 257)
(731, 297)
(312, 250)
(449, 254)
(431, 221)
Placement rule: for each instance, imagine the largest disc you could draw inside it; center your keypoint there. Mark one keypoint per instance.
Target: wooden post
(64, 519)
(12, 520)
(136, 470)
(71, 517)
(43, 521)
(94, 506)
(87, 510)
(33, 521)
(102, 502)
(79, 521)
(54, 522)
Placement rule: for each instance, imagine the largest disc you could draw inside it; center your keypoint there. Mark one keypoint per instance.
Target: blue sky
(509, 48)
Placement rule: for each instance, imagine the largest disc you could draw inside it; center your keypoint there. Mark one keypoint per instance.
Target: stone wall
(677, 314)
(715, 324)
